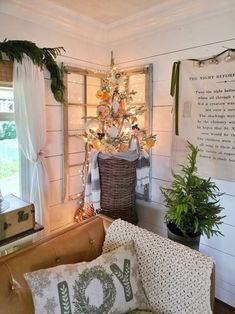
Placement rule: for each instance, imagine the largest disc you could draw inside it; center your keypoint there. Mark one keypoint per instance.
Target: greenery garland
(15, 49)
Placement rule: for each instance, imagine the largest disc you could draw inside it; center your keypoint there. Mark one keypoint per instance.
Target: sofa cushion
(108, 284)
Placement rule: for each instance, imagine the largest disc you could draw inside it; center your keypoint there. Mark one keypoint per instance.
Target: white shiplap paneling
(49, 97)
(163, 146)
(56, 192)
(157, 196)
(161, 167)
(161, 93)
(193, 40)
(54, 144)
(54, 118)
(162, 118)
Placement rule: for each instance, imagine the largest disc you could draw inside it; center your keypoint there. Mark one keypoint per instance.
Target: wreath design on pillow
(81, 302)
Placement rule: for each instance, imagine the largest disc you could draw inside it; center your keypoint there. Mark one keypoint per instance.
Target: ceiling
(107, 11)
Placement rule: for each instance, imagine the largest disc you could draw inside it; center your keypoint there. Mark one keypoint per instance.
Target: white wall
(61, 214)
(191, 38)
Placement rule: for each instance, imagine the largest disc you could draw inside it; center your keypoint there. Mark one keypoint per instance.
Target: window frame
(148, 71)
(85, 104)
(145, 69)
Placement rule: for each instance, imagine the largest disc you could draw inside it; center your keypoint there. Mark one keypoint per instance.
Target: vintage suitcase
(17, 217)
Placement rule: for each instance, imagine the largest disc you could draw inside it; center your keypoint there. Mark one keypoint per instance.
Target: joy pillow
(108, 284)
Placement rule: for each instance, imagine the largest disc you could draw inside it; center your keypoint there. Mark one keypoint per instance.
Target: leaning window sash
(144, 192)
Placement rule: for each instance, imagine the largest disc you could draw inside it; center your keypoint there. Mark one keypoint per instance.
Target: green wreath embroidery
(81, 302)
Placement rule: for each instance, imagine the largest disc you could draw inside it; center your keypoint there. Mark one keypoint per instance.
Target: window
(15, 169)
(141, 81)
(81, 101)
(9, 152)
(81, 87)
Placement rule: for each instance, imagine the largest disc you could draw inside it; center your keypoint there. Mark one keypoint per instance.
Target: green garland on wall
(43, 57)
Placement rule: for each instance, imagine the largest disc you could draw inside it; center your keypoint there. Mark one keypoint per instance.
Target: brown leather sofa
(81, 242)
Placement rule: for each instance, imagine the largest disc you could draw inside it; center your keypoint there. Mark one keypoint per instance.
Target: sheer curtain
(29, 100)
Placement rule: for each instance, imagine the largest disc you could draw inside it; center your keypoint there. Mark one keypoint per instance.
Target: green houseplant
(192, 203)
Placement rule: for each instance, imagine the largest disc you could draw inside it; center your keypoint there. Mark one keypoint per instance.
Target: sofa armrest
(106, 221)
(78, 243)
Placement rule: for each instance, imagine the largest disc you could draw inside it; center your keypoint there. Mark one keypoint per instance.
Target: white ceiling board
(107, 11)
(105, 22)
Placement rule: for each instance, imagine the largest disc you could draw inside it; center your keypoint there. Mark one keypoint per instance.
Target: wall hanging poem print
(204, 93)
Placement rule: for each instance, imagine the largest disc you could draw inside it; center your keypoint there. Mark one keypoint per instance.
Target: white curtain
(30, 117)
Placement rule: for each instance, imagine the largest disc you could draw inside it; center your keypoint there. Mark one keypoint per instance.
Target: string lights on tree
(115, 127)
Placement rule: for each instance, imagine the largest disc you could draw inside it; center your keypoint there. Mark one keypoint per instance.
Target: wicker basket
(118, 181)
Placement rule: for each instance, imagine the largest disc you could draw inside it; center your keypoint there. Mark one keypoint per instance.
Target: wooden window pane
(91, 95)
(75, 88)
(95, 81)
(75, 78)
(75, 185)
(75, 93)
(75, 170)
(76, 158)
(75, 145)
(91, 111)
(137, 83)
(75, 114)
(142, 120)
(93, 85)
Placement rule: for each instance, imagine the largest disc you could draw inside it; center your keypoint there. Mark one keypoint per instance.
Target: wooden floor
(222, 308)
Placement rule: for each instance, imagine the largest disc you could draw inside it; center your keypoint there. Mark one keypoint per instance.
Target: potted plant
(192, 205)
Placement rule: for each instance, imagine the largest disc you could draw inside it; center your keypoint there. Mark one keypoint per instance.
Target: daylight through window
(9, 152)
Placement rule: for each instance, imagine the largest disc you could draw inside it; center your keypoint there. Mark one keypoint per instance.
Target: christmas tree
(115, 127)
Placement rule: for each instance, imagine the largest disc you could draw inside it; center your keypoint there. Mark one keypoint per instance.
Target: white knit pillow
(176, 279)
(108, 284)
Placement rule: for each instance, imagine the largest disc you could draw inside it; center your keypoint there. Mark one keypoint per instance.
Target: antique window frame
(145, 69)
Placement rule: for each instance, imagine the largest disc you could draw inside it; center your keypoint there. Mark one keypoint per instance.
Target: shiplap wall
(182, 39)
(61, 212)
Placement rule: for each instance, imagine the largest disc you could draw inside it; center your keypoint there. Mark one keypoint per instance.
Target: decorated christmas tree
(114, 131)
(115, 127)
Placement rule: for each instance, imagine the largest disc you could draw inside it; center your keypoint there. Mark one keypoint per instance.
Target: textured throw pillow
(108, 284)
(175, 278)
